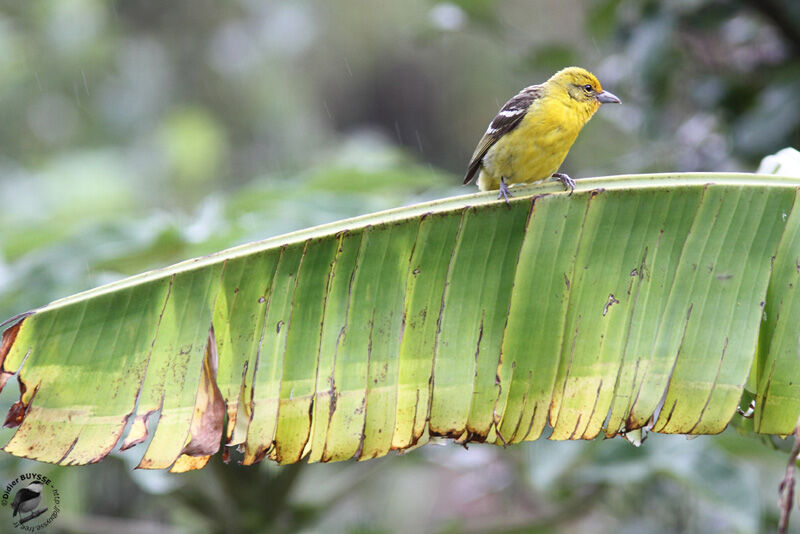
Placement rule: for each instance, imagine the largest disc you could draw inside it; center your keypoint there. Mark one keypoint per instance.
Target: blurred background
(136, 134)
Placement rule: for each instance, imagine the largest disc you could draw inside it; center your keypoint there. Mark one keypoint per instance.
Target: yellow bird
(530, 136)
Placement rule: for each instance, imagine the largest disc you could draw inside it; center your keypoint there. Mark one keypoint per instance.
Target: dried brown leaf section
(209, 416)
(17, 411)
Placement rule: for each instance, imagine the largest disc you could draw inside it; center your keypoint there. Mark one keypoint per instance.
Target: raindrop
(85, 83)
(349, 70)
(76, 94)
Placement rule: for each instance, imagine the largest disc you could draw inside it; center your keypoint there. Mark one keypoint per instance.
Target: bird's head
(35, 486)
(582, 87)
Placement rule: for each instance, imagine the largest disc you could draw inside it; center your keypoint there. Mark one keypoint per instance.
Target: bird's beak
(604, 97)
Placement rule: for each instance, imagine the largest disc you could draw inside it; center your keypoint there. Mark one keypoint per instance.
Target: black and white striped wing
(23, 495)
(509, 116)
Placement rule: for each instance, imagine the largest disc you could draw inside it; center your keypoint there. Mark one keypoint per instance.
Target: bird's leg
(504, 192)
(568, 182)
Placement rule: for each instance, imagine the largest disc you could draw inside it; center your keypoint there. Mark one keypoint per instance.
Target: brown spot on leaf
(611, 301)
(452, 433)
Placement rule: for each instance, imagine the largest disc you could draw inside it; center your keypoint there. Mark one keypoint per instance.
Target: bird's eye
(588, 88)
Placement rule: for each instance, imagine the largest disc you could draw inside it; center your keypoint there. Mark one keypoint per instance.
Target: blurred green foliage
(136, 134)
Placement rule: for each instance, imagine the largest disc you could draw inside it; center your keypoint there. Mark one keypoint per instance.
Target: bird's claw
(504, 193)
(568, 182)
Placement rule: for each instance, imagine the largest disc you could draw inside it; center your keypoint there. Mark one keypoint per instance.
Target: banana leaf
(648, 301)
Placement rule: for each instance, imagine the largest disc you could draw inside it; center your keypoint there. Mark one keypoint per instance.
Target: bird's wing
(22, 495)
(509, 116)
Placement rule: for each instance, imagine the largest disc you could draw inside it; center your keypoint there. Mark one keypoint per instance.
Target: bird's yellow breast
(536, 148)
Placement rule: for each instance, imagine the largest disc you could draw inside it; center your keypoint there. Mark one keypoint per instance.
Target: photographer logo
(30, 502)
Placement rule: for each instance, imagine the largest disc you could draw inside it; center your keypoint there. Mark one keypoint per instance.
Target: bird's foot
(568, 182)
(504, 193)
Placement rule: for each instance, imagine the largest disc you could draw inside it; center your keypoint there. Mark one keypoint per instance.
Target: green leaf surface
(638, 301)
